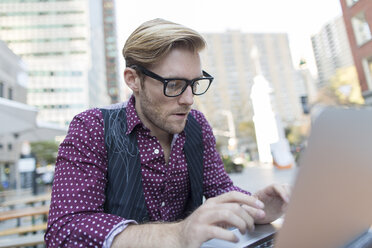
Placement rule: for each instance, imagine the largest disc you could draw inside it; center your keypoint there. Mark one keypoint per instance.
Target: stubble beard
(154, 115)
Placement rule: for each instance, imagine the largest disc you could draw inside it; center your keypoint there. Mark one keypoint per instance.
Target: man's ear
(132, 79)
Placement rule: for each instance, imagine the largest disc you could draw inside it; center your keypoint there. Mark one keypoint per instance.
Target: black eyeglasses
(176, 86)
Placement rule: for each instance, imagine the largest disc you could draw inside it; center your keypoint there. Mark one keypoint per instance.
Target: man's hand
(210, 219)
(276, 198)
(233, 209)
(206, 222)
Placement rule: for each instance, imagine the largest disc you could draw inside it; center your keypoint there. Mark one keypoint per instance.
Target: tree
(45, 152)
(295, 135)
(346, 87)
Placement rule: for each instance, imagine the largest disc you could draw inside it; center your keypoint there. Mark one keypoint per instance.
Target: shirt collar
(132, 117)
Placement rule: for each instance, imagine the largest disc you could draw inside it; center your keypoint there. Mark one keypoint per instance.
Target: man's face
(162, 114)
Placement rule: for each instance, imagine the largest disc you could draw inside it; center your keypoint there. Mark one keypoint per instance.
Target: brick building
(358, 22)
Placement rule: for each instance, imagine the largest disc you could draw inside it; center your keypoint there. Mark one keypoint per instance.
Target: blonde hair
(154, 39)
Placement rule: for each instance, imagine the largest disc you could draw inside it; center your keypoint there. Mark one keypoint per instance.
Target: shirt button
(156, 151)
(163, 204)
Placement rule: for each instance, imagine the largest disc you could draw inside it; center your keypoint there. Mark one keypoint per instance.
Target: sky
(299, 18)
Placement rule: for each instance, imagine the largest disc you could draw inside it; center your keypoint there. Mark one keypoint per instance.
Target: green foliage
(343, 89)
(45, 152)
(346, 87)
(294, 135)
(230, 166)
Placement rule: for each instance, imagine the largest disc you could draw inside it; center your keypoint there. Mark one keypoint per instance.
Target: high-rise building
(13, 82)
(112, 63)
(13, 75)
(358, 21)
(331, 50)
(63, 45)
(234, 59)
(306, 87)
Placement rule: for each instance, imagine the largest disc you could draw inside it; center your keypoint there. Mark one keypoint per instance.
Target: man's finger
(230, 214)
(282, 191)
(246, 216)
(257, 214)
(238, 197)
(221, 233)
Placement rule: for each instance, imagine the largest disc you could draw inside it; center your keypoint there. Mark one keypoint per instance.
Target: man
(134, 174)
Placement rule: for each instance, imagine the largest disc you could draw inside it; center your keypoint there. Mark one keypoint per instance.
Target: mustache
(182, 110)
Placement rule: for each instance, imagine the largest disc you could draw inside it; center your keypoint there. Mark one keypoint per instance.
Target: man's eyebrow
(179, 77)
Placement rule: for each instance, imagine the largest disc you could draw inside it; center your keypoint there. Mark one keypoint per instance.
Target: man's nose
(187, 97)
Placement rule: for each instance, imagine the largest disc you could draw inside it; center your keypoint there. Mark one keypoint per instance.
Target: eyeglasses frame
(165, 81)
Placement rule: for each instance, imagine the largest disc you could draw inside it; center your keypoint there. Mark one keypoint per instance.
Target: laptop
(331, 201)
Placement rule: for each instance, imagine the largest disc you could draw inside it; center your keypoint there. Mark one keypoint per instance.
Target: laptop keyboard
(265, 242)
(363, 241)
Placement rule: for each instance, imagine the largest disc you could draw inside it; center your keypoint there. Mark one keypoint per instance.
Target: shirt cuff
(115, 231)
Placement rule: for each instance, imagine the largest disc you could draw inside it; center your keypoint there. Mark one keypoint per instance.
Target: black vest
(124, 192)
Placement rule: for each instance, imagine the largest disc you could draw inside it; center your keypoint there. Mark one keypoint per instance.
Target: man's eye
(176, 84)
(172, 84)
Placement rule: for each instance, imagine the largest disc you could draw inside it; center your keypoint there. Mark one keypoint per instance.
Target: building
(358, 22)
(13, 75)
(306, 87)
(234, 59)
(63, 45)
(331, 50)
(13, 82)
(112, 63)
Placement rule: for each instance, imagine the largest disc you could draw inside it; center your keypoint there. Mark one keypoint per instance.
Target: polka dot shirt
(76, 217)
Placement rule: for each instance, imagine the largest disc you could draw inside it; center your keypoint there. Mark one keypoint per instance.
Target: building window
(367, 66)
(10, 94)
(351, 2)
(361, 29)
(1, 89)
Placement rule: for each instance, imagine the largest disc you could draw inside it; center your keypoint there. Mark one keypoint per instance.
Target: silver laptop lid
(331, 202)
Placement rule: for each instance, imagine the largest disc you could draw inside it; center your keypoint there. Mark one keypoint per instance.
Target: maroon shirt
(76, 217)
